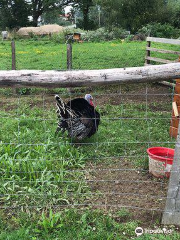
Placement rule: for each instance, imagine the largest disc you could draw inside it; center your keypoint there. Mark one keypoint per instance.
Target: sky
(67, 9)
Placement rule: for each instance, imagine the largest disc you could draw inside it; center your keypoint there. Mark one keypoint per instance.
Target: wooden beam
(160, 60)
(175, 109)
(164, 40)
(169, 84)
(162, 50)
(84, 78)
(173, 131)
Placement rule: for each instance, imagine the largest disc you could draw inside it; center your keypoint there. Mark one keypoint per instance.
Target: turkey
(78, 117)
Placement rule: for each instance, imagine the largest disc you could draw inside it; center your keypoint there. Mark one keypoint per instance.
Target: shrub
(98, 35)
(160, 30)
(102, 34)
(59, 38)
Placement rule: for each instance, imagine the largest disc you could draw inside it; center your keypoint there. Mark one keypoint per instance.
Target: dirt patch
(8, 103)
(112, 95)
(153, 93)
(13, 102)
(121, 185)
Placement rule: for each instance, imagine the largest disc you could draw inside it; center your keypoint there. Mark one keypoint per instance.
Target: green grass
(123, 128)
(37, 167)
(71, 224)
(47, 55)
(40, 170)
(75, 224)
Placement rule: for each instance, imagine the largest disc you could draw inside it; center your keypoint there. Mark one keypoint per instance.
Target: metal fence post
(13, 55)
(171, 213)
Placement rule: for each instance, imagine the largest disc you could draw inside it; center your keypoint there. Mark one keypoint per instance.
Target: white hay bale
(51, 28)
(25, 31)
(42, 30)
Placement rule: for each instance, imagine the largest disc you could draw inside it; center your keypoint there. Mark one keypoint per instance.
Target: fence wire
(107, 171)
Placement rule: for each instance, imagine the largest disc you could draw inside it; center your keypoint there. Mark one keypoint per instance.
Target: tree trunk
(37, 11)
(35, 21)
(84, 78)
(85, 17)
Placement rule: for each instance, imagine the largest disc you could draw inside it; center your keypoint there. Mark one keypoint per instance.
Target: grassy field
(48, 55)
(43, 175)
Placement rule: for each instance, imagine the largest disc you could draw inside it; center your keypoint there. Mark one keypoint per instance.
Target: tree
(174, 12)
(38, 7)
(13, 14)
(84, 7)
(136, 13)
(131, 14)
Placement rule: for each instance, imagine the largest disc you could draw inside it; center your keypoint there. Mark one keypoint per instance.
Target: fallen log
(80, 78)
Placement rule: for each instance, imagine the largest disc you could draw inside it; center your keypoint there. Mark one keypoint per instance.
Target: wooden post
(13, 55)
(147, 61)
(69, 61)
(69, 56)
(176, 109)
(171, 213)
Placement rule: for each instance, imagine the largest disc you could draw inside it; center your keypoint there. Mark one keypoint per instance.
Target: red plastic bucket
(160, 161)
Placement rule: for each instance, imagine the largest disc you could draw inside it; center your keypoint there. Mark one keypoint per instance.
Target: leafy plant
(51, 222)
(102, 34)
(123, 214)
(160, 30)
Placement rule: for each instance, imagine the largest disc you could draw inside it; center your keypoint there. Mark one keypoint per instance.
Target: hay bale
(42, 30)
(25, 31)
(51, 28)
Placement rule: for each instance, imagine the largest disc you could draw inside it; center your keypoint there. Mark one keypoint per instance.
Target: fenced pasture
(109, 171)
(37, 163)
(48, 55)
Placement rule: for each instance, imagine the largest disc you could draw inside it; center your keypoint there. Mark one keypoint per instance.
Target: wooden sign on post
(171, 213)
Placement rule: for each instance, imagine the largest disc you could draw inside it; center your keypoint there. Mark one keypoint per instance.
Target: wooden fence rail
(83, 78)
(149, 49)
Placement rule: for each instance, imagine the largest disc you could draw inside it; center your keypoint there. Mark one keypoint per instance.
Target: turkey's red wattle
(91, 103)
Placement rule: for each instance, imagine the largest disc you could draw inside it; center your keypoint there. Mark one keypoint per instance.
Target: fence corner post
(171, 213)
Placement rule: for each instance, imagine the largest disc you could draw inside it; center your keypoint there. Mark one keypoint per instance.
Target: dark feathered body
(78, 117)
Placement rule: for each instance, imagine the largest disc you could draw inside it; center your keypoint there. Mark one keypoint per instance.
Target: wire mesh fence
(107, 171)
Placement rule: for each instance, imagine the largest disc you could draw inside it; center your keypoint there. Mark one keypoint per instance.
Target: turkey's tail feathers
(63, 110)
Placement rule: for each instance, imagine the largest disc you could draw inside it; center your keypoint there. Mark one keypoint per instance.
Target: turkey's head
(89, 98)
